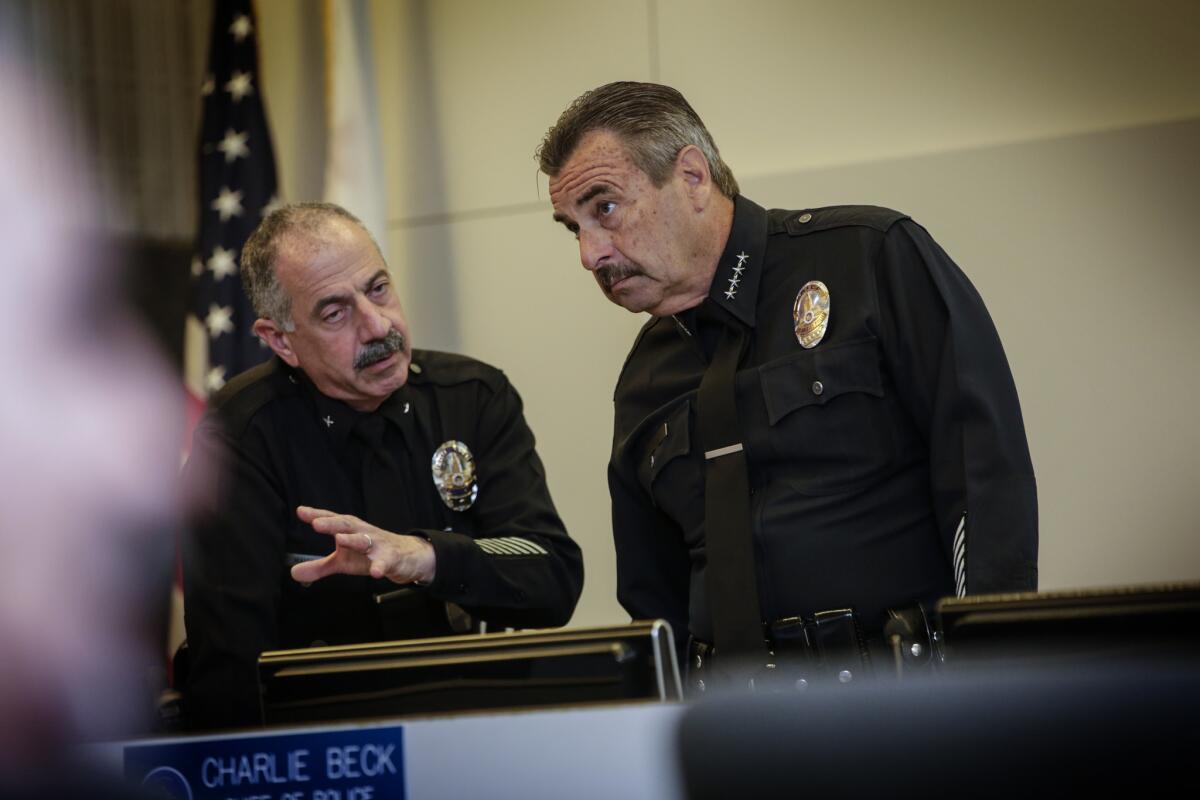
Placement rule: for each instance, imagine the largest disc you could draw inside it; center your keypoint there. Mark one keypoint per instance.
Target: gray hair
(259, 277)
(654, 122)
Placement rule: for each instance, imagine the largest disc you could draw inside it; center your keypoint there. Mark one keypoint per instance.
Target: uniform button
(818, 387)
(845, 676)
(805, 218)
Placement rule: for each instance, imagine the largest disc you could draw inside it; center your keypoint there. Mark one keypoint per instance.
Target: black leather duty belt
(829, 646)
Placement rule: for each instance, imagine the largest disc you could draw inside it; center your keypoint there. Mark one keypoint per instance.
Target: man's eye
(334, 316)
(379, 289)
(605, 208)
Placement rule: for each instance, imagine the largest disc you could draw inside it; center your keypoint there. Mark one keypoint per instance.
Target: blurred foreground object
(1135, 624)
(88, 460)
(1028, 732)
(1026, 694)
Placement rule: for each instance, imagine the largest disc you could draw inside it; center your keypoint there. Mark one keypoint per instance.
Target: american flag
(237, 188)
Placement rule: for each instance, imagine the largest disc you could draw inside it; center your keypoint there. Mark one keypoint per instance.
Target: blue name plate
(365, 764)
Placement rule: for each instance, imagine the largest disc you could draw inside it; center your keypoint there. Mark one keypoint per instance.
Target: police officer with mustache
(367, 491)
(816, 434)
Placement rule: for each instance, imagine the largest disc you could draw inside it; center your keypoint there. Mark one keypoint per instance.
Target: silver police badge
(454, 475)
(810, 314)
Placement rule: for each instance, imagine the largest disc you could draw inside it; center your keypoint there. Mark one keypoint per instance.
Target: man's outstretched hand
(363, 549)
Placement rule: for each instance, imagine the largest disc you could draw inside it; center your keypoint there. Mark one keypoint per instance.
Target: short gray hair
(653, 121)
(259, 277)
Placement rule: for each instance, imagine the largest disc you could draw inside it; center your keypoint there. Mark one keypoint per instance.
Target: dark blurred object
(1031, 732)
(470, 673)
(155, 275)
(1030, 695)
(1084, 627)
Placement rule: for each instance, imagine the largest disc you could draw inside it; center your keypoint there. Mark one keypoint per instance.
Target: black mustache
(608, 275)
(379, 349)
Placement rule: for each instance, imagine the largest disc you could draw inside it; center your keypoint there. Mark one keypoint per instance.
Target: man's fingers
(337, 523)
(358, 542)
(309, 571)
(308, 513)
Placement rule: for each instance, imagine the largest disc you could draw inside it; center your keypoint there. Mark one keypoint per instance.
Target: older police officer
(399, 487)
(817, 429)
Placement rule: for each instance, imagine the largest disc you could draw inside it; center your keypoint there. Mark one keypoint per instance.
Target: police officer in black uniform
(368, 491)
(817, 430)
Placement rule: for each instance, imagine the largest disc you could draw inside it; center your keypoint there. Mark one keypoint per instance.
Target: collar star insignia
(738, 269)
(328, 421)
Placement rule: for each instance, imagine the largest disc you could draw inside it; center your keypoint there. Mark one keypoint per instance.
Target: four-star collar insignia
(739, 269)
(736, 279)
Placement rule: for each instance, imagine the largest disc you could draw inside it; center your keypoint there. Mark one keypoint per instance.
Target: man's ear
(692, 168)
(276, 339)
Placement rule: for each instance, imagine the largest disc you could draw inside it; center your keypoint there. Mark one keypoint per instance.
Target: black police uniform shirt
(888, 464)
(273, 442)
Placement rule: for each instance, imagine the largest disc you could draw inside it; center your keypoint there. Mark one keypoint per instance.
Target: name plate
(360, 764)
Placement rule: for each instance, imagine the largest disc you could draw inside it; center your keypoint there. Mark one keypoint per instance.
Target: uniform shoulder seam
(450, 369)
(240, 400)
(816, 220)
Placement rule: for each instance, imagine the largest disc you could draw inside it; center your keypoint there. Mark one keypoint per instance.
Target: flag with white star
(237, 186)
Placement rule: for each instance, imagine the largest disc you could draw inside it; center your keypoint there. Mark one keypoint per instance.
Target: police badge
(810, 314)
(454, 475)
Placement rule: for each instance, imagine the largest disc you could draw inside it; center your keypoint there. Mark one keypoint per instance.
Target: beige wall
(1034, 139)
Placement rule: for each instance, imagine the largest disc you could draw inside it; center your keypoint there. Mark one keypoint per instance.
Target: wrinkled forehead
(600, 156)
(339, 256)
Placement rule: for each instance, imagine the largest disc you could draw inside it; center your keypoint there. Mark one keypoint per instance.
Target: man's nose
(375, 324)
(595, 249)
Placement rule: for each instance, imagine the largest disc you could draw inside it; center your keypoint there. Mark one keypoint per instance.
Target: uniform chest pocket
(664, 443)
(829, 416)
(667, 470)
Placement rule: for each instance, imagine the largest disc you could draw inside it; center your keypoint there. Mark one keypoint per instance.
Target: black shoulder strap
(730, 576)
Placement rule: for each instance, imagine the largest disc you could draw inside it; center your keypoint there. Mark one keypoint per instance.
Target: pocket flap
(814, 377)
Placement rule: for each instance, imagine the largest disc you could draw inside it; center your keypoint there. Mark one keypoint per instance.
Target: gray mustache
(616, 272)
(378, 350)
